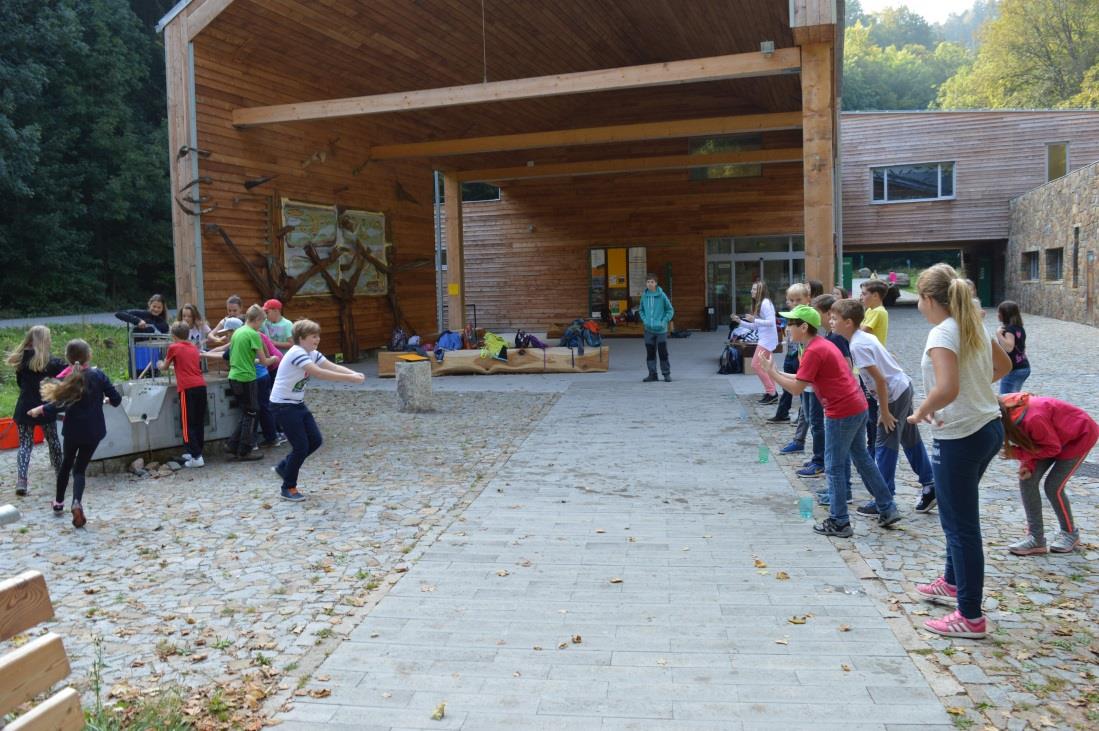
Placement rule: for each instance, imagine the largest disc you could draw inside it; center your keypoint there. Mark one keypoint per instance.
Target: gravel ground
(205, 575)
(1038, 669)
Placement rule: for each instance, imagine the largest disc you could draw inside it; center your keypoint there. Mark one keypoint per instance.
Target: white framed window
(924, 181)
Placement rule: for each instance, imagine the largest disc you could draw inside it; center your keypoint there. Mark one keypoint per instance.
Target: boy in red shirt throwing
(184, 357)
(845, 414)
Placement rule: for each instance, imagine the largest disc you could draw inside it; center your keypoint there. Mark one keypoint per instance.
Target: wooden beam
(24, 602)
(61, 712)
(632, 165)
(181, 167)
(592, 136)
(714, 68)
(203, 15)
(455, 269)
(818, 167)
(31, 669)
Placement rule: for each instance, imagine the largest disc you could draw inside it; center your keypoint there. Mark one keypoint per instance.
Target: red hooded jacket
(1059, 430)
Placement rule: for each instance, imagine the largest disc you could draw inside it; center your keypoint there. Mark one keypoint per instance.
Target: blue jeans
(816, 425)
(300, 428)
(846, 438)
(904, 436)
(1013, 381)
(265, 416)
(958, 465)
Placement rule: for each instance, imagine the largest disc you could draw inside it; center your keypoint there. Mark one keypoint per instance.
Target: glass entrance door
(776, 260)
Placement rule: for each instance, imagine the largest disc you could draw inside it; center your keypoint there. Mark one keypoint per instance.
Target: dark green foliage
(84, 204)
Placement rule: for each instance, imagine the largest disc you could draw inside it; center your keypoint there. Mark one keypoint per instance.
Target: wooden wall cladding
(997, 156)
(526, 254)
(311, 162)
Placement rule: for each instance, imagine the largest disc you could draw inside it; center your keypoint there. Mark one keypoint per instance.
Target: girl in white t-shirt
(960, 363)
(302, 362)
(762, 320)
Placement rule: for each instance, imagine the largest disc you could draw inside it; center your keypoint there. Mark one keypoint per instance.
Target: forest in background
(85, 208)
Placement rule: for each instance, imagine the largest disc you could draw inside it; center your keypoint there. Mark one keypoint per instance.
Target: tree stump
(414, 387)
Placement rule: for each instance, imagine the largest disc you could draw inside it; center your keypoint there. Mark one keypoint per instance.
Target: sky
(933, 11)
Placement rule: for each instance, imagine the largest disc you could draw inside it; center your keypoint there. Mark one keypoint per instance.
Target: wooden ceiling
(347, 48)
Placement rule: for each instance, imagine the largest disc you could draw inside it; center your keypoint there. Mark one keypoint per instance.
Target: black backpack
(731, 361)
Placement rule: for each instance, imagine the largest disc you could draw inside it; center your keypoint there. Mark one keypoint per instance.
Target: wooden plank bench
(37, 666)
(520, 360)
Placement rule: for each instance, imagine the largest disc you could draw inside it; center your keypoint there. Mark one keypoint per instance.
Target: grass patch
(109, 353)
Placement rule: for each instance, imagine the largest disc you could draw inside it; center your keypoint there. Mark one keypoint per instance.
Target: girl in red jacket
(1046, 435)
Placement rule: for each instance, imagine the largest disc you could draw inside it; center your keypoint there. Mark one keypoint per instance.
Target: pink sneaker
(939, 592)
(955, 625)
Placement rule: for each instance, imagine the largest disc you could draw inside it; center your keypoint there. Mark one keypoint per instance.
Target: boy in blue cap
(845, 414)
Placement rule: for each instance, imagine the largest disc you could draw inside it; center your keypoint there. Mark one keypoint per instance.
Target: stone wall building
(1053, 246)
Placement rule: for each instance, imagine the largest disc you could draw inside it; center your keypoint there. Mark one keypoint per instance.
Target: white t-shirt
(765, 325)
(976, 404)
(867, 350)
(291, 378)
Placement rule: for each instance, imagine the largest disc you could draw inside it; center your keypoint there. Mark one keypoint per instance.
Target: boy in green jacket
(656, 312)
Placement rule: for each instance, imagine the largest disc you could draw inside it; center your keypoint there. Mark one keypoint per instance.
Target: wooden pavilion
(305, 135)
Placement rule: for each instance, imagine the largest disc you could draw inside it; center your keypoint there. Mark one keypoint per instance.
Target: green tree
(894, 77)
(901, 27)
(963, 28)
(853, 13)
(1035, 54)
(84, 202)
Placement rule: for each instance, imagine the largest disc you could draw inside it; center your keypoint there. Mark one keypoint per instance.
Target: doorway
(733, 264)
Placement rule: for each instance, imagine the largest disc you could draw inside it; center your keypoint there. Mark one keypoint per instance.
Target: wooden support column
(182, 169)
(455, 269)
(818, 164)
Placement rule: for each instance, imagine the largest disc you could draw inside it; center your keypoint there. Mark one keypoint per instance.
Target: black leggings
(75, 459)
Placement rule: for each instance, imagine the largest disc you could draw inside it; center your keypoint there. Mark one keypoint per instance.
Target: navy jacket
(30, 385)
(153, 323)
(84, 423)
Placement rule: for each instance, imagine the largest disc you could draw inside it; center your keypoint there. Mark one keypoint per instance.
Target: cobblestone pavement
(1039, 669)
(205, 575)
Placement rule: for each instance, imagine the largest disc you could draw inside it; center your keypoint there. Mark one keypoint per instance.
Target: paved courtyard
(567, 552)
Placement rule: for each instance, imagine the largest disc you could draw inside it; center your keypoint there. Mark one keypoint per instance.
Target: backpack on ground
(398, 341)
(731, 361)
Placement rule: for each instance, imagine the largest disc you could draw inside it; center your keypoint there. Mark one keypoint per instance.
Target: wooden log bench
(34, 668)
(519, 360)
(624, 330)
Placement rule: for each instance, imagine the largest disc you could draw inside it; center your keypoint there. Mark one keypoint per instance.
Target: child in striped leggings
(33, 364)
(1047, 436)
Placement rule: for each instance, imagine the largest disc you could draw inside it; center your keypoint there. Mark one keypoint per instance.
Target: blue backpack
(731, 361)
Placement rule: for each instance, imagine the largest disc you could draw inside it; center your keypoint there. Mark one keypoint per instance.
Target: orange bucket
(9, 434)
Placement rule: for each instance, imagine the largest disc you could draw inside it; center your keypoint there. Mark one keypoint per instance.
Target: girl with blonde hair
(33, 363)
(960, 364)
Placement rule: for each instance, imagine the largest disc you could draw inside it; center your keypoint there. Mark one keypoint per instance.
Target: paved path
(632, 565)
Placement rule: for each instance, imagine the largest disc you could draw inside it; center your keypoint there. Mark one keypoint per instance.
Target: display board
(617, 278)
(329, 229)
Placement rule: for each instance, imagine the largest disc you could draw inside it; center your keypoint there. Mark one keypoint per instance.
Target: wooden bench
(37, 666)
(520, 360)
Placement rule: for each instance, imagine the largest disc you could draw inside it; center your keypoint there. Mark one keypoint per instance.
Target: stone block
(414, 387)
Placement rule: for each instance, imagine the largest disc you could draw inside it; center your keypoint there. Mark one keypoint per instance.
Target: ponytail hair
(70, 390)
(1015, 439)
(1009, 313)
(942, 284)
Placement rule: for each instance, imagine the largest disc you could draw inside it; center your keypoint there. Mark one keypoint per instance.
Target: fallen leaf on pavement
(577, 639)
(783, 641)
(845, 628)
(782, 576)
(760, 564)
(502, 572)
(616, 580)
(439, 712)
(845, 668)
(955, 710)
(798, 619)
(320, 692)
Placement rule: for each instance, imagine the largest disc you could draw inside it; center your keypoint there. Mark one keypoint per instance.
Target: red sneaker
(955, 625)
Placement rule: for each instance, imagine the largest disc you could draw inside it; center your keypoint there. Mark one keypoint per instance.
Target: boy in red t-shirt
(845, 413)
(184, 357)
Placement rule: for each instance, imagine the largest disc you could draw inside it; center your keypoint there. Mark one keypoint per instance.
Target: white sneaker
(195, 462)
(185, 457)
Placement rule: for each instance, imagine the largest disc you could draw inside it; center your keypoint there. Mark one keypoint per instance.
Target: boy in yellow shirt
(876, 319)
